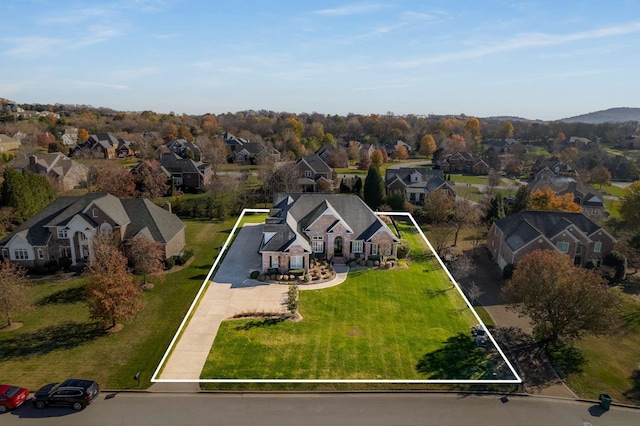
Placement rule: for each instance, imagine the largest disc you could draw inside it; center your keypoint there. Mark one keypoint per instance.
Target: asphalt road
(324, 409)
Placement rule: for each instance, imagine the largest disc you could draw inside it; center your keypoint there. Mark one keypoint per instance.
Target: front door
(337, 247)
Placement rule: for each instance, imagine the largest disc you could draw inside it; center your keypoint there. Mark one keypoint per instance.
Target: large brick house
(312, 170)
(335, 227)
(416, 183)
(513, 237)
(188, 175)
(103, 145)
(464, 162)
(63, 172)
(66, 227)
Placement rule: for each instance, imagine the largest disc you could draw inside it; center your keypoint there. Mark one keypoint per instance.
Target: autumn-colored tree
(376, 158)
(561, 299)
(472, 126)
(427, 145)
(437, 206)
(14, 293)
(150, 180)
(569, 154)
(115, 180)
(209, 125)
(353, 150)
(465, 214)
(45, 139)
(185, 133)
(630, 205)
(215, 152)
(111, 293)
(385, 156)
(365, 160)
(455, 143)
(600, 176)
(146, 256)
(83, 135)
(295, 125)
(547, 200)
(400, 152)
(169, 132)
(506, 130)
(440, 237)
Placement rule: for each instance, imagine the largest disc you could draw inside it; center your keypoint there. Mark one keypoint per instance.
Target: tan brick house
(511, 238)
(335, 227)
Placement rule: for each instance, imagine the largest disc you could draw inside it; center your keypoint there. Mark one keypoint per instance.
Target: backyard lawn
(379, 324)
(58, 340)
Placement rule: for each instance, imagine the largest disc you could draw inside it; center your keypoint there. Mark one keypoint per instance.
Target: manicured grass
(470, 192)
(616, 191)
(469, 179)
(59, 340)
(611, 361)
(376, 325)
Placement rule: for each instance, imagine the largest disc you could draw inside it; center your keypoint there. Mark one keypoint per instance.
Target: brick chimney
(32, 163)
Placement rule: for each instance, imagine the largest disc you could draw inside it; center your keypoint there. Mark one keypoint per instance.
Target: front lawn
(379, 324)
(59, 340)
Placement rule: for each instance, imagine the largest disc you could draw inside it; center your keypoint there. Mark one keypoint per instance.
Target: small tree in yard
(292, 298)
(14, 294)
(561, 299)
(112, 294)
(146, 256)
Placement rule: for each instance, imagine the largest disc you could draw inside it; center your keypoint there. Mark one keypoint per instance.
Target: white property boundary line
(155, 378)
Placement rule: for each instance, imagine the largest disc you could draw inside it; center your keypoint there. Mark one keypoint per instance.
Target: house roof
(55, 162)
(588, 195)
(316, 163)
(176, 164)
(404, 174)
(8, 139)
(523, 227)
(136, 215)
(292, 213)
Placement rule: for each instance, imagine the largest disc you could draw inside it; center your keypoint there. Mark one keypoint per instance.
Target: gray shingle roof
(316, 163)
(162, 225)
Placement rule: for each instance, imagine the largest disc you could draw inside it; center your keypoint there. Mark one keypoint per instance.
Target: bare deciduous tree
(14, 294)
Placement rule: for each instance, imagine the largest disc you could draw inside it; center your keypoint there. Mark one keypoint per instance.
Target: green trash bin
(605, 401)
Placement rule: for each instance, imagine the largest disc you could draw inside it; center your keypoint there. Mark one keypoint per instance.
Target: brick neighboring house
(182, 147)
(62, 170)
(586, 196)
(464, 162)
(252, 152)
(417, 182)
(511, 238)
(554, 165)
(187, 174)
(104, 145)
(336, 227)
(327, 150)
(66, 227)
(311, 170)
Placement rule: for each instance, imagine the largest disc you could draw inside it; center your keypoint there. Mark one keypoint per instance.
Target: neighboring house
(586, 196)
(312, 170)
(554, 164)
(327, 150)
(104, 145)
(252, 152)
(628, 142)
(68, 174)
(69, 136)
(513, 237)
(8, 143)
(390, 147)
(187, 174)
(66, 228)
(335, 227)
(182, 147)
(464, 162)
(417, 182)
(231, 141)
(501, 146)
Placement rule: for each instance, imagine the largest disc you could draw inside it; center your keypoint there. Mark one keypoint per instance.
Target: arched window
(106, 229)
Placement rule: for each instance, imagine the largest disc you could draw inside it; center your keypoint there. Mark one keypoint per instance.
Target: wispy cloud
(134, 73)
(89, 84)
(78, 16)
(33, 46)
(525, 41)
(351, 9)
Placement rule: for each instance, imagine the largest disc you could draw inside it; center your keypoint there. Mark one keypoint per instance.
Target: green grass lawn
(59, 340)
(616, 191)
(469, 179)
(376, 325)
(470, 192)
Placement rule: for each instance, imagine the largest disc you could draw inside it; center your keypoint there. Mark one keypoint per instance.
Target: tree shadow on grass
(199, 277)
(566, 359)
(62, 297)
(265, 322)
(460, 358)
(48, 339)
(631, 319)
(633, 394)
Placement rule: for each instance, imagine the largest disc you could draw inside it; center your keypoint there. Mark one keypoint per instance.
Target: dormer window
(94, 212)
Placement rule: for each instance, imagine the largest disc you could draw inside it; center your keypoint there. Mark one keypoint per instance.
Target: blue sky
(535, 59)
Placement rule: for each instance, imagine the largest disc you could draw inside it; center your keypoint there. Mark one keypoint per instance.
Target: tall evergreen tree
(27, 192)
(374, 189)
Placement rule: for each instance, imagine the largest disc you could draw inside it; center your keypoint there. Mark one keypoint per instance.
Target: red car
(12, 397)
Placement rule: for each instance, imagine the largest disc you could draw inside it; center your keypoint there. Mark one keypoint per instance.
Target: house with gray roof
(62, 171)
(586, 196)
(417, 182)
(573, 234)
(66, 228)
(312, 170)
(336, 227)
(103, 145)
(188, 175)
(185, 149)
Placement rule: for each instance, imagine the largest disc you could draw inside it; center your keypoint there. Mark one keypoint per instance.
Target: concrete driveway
(230, 292)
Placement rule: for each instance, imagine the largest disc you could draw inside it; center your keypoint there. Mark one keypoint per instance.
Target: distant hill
(611, 115)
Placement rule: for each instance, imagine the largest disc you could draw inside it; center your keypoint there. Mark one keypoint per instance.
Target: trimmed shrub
(254, 274)
(403, 249)
(169, 263)
(65, 263)
(618, 261)
(369, 263)
(507, 272)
